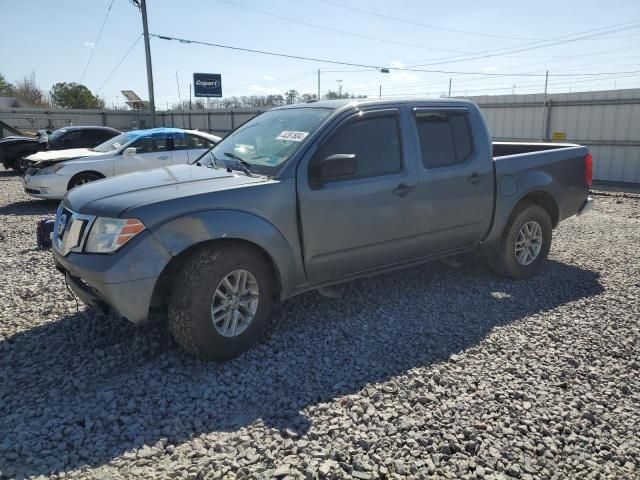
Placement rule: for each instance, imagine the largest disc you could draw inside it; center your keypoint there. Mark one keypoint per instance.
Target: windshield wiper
(244, 165)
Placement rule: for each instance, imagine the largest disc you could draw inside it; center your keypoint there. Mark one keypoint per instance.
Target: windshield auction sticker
(292, 136)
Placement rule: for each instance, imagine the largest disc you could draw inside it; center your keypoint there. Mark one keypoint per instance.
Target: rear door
(456, 180)
(367, 220)
(151, 152)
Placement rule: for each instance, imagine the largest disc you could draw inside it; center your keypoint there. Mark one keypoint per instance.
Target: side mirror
(335, 167)
(129, 152)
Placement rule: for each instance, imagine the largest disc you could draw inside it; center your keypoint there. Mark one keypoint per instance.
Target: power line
(120, 62)
(95, 44)
(342, 32)
(536, 45)
(420, 24)
(337, 62)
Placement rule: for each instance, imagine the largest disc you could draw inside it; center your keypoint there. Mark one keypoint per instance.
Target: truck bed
(522, 168)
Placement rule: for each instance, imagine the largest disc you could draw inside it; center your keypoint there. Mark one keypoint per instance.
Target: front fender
(179, 234)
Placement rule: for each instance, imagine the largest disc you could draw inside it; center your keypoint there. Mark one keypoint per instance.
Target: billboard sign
(207, 84)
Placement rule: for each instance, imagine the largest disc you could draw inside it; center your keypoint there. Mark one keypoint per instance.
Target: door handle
(163, 157)
(475, 178)
(403, 190)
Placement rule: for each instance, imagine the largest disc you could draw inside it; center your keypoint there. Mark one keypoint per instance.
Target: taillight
(588, 169)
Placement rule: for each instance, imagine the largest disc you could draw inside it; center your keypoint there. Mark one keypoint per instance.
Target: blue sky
(55, 39)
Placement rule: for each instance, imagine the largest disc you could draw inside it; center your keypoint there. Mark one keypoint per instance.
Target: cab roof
(360, 102)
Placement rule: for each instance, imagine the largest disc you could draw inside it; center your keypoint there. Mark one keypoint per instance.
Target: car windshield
(266, 141)
(114, 143)
(57, 134)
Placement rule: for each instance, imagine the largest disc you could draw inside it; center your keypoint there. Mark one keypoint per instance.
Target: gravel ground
(435, 371)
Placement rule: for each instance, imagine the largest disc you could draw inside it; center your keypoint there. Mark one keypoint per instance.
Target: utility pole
(544, 106)
(147, 50)
(379, 91)
(190, 106)
(449, 88)
(318, 84)
(339, 88)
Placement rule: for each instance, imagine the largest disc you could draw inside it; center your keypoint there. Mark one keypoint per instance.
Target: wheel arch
(85, 172)
(164, 285)
(537, 189)
(543, 199)
(184, 235)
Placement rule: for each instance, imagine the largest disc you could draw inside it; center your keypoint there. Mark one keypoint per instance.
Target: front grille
(32, 190)
(70, 230)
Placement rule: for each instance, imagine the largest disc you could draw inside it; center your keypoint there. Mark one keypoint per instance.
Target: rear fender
(511, 189)
(179, 234)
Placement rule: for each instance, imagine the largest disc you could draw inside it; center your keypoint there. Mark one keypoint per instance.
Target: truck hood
(112, 196)
(54, 156)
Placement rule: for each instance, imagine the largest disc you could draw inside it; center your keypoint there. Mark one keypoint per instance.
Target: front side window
(445, 138)
(198, 142)
(265, 142)
(374, 141)
(150, 144)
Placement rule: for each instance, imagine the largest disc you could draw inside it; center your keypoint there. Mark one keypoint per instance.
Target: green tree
(6, 89)
(74, 95)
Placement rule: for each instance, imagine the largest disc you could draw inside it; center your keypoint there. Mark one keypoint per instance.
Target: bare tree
(29, 93)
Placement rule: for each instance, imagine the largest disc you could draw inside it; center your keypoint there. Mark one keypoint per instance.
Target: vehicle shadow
(88, 388)
(30, 207)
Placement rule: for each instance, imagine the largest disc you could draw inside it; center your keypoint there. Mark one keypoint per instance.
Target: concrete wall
(219, 122)
(608, 122)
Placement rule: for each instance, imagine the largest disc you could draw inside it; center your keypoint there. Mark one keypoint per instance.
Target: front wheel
(82, 178)
(221, 301)
(525, 243)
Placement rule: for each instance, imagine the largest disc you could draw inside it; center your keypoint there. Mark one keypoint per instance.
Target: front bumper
(130, 300)
(586, 207)
(50, 187)
(123, 281)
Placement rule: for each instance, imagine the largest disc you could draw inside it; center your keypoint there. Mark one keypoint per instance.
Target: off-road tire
(502, 258)
(189, 315)
(83, 178)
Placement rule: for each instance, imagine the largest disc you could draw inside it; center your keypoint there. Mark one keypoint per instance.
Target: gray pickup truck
(306, 196)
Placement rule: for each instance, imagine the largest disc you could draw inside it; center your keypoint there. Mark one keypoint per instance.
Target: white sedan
(51, 174)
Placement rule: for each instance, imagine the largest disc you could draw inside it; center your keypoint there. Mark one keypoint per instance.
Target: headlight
(49, 170)
(108, 234)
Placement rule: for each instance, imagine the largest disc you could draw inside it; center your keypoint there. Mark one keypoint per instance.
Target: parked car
(307, 196)
(51, 174)
(14, 149)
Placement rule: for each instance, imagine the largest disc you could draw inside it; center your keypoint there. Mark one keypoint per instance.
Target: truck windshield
(52, 137)
(266, 141)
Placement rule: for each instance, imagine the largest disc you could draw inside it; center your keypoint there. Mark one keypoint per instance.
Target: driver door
(151, 152)
(369, 219)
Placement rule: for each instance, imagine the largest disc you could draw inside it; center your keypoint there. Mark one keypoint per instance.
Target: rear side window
(445, 138)
(375, 142)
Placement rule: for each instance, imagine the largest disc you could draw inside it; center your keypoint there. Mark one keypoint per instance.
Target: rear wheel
(525, 243)
(82, 178)
(221, 301)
